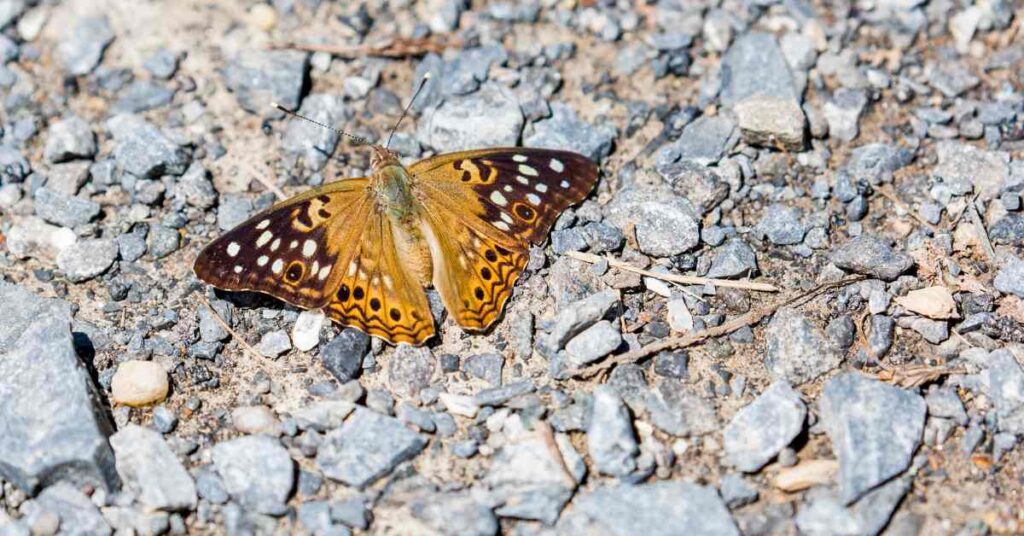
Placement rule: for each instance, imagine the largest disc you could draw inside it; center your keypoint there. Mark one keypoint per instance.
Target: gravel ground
(868, 152)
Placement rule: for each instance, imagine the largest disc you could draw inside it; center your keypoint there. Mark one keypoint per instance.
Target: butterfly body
(363, 249)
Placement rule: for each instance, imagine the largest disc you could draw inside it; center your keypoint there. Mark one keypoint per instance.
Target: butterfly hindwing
(519, 190)
(289, 251)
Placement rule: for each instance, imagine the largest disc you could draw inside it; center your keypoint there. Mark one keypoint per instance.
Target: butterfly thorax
(393, 187)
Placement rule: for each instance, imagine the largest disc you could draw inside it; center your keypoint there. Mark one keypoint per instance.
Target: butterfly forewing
(290, 250)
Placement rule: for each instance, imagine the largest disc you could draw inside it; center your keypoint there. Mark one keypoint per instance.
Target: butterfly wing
(302, 251)
(484, 209)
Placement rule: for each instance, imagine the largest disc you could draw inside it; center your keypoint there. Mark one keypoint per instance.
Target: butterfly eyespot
(490, 256)
(524, 212)
(395, 315)
(358, 293)
(485, 273)
(294, 272)
(343, 293)
(375, 304)
(479, 293)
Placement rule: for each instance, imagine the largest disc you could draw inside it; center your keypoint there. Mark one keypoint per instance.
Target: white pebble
(139, 383)
(306, 333)
(254, 420)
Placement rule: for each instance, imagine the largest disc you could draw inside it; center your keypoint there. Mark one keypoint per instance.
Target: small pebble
(139, 383)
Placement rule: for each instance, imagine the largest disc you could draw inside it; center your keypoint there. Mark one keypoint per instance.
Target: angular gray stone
(781, 225)
(151, 471)
(824, 513)
(770, 121)
(754, 65)
(87, 259)
(63, 209)
(81, 51)
(1008, 230)
(142, 95)
(78, 515)
(564, 130)
(195, 187)
(676, 410)
(734, 259)
(256, 471)
(488, 118)
(613, 447)
(703, 141)
(410, 370)
(53, 426)
(593, 343)
(528, 478)
(487, 367)
(875, 163)
(260, 77)
(655, 509)
(764, 427)
(69, 138)
(697, 183)
(274, 343)
(875, 428)
(965, 168)
(367, 448)
(343, 355)
(798, 350)
(312, 144)
(1006, 388)
(871, 255)
(1010, 278)
(143, 150)
(843, 113)
(456, 513)
(579, 315)
(736, 491)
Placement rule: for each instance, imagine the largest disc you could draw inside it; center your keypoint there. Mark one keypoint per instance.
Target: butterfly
(363, 249)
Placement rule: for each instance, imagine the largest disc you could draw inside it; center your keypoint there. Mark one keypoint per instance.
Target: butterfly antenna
(423, 82)
(358, 140)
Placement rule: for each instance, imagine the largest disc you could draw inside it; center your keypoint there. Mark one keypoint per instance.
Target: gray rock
(343, 355)
(210, 486)
(233, 210)
(566, 240)
(210, 330)
(613, 447)
(871, 255)
(10, 10)
(259, 78)
(703, 141)
(486, 367)
(195, 187)
(497, 396)
(698, 183)
(580, 315)
(78, 515)
(964, 168)
(736, 491)
(781, 225)
(456, 513)
(81, 51)
(162, 241)
(528, 478)
(14, 167)
(843, 113)
(933, 331)
(410, 370)
(1010, 278)
(841, 331)
(488, 118)
(162, 64)
(754, 65)
(69, 138)
(142, 149)
(1006, 388)
(322, 415)
(312, 144)
(951, 78)
(68, 177)
(142, 95)
(566, 131)
(798, 351)
(943, 402)
(769, 121)
(655, 509)
(602, 237)
(874, 163)
(256, 471)
(63, 209)
(767, 425)
(151, 471)
(1008, 230)
(875, 429)
(880, 335)
(824, 513)
(594, 343)
(367, 448)
(53, 426)
(274, 343)
(732, 260)
(86, 259)
(677, 411)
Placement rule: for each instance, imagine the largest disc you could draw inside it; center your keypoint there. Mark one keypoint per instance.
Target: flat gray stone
(577, 316)
(1006, 387)
(764, 427)
(613, 447)
(53, 426)
(875, 430)
(564, 130)
(965, 168)
(490, 117)
(149, 468)
(676, 410)
(594, 343)
(81, 51)
(754, 65)
(871, 255)
(257, 472)
(143, 150)
(78, 515)
(367, 448)
(86, 259)
(1010, 278)
(465, 513)
(733, 259)
(312, 145)
(798, 350)
(64, 209)
(529, 480)
(69, 138)
(260, 77)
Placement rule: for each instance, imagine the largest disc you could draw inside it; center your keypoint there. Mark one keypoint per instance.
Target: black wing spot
(323, 213)
(485, 273)
(395, 315)
(343, 292)
(358, 293)
(294, 272)
(466, 176)
(304, 219)
(501, 251)
(375, 304)
(323, 198)
(457, 164)
(490, 256)
(479, 293)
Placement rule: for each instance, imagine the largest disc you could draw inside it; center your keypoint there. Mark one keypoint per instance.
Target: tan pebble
(254, 420)
(139, 383)
(263, 17)
(805, 475)
(933, 302)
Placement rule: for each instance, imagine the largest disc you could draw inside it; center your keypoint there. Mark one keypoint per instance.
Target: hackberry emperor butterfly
(363, 249)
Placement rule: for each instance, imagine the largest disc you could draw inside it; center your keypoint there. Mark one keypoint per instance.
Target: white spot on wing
(564, 184)
(324, 272)
(556, 165)
(352, 268)
(522, 180)
(238, 269)
(233, 249)
(541, 187)
(277, 266)
(508, 188)
(275, 244)
(315, 268)
(293, 244)
(501, 225)
(506, 218)
(527, 170)
(498, 199)
(263, 260)
(308, 248)
(388, 282)
(264, 238)
(519, 158)
(263, 224)
(533, 199)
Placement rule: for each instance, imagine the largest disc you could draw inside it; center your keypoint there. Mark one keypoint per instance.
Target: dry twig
(399, 47)
(979, 227)
(916, 375)
(693, 339)
(234, 334)
(684, 279)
